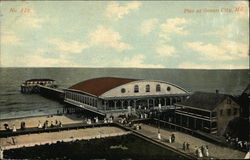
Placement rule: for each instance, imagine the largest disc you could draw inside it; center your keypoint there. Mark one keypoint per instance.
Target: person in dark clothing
(173, 138)
(188, 146)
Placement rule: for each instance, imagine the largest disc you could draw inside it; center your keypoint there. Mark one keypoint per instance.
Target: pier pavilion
(115, 96)
(207, 112)
(30, 86)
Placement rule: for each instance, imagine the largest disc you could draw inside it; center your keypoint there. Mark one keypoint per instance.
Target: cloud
(225, 50)
(32, 22)
(227, 31)
(106, 37)
(72, 47)
(10, 38)
(165, 50)
(173, 26)
(116, 11)
(148, 25)
(40, 59)
(136, 62)
(190, 65)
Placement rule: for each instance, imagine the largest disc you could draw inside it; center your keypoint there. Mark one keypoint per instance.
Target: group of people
(185, 146)
(235, 142)
(14, 129)
(52, 124)
(171, 138)
(202, 151)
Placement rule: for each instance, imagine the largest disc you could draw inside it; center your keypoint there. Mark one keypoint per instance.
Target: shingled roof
(99, 86)
(204, 100)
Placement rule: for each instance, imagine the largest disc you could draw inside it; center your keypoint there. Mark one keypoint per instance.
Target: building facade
(207, 112)
(122, 95)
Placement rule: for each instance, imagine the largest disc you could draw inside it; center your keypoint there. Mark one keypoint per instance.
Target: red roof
(99, 86)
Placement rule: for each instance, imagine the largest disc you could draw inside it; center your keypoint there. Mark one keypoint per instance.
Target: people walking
(187, 144)
(206, 154)
(200, 155)
(14, 128)
(170, 139)
(173, 138)
(196, 150)
(184, 146)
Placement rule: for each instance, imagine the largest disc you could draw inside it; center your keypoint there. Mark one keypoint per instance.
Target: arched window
(158, 88)
(147, 88)
(136, 88)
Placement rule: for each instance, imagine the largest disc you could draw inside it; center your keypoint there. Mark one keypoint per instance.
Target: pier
(52, 93)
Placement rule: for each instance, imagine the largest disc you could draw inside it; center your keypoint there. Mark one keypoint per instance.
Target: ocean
(13, 104)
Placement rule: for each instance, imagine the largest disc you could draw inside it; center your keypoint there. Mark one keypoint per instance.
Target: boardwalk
(65, 136)
(215, 151)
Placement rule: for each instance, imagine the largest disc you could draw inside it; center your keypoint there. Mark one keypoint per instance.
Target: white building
(119, 95)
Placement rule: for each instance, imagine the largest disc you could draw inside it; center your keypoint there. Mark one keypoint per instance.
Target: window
(168, 88)
(229, 112)
(123, 90)
(136, 88)
(221, 112)
(147, 88)
(158, 88)
(235, 111)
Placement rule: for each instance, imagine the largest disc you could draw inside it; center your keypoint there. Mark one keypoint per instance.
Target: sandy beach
(65, 136)
(34, 121)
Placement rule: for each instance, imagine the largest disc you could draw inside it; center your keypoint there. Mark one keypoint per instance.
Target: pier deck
(215, 151)
(29, 140)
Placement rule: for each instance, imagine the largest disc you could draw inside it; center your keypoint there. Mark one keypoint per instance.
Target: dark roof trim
(34, 80)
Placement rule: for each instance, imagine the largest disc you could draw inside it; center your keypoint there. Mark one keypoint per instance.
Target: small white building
(119, 95)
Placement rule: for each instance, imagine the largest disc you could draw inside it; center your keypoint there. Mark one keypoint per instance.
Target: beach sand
(65, 136)
(33, 121)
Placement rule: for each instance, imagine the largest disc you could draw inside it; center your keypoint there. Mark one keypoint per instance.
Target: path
(214, 150)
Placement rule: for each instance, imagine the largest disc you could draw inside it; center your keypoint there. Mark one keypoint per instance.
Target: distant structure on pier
(207, 112)
(116, 96)
(30, 86)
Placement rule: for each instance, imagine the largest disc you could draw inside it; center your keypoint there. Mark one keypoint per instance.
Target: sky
(130, 34)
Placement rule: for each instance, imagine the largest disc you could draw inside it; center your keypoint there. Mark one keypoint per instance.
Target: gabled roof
(204, 100)
(98, 86)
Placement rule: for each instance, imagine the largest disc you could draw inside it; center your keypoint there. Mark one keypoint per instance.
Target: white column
(115, 104)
